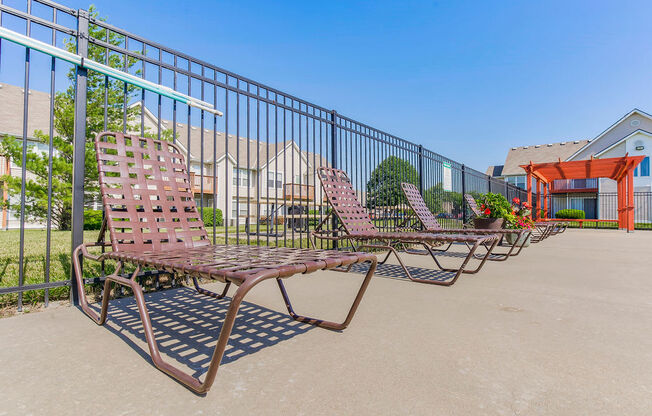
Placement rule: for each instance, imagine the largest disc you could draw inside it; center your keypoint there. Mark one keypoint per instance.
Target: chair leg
(205, 292)
(193, 383)
(466, 260)
(320, 322)
(392, 250)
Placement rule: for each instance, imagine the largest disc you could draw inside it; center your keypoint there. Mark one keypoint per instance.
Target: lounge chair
(153, 223)
(355, 226)
(428, 223)
(541, 230)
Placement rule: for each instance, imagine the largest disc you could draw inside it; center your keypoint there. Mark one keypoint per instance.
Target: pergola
(620, 169)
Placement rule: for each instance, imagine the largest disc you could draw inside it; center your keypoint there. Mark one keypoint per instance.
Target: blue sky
(466, 79)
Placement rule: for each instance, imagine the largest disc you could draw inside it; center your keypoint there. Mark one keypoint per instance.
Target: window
(242, 206)
(195, 168)
(643, 168)
(516, 181)
(240, 177)
(270, 179)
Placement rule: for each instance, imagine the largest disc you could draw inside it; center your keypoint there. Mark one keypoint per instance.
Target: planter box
(488, 223)
(512, 237)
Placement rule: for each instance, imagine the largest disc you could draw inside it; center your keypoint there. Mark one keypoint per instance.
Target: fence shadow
(187, 324)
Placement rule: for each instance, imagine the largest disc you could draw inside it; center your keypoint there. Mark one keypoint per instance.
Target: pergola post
(529, 187)
(538, 201)
(630, 201)
(545, 201)
(621, 223)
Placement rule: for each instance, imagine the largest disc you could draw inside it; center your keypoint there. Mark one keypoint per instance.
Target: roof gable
(625, 126)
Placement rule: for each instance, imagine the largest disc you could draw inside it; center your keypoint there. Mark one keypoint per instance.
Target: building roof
(634, 120)
(258, 152)
(542, 153)
(11, 111)
(496, 170)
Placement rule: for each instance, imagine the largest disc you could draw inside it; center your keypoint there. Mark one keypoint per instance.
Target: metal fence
(253, 169)
(602, 208)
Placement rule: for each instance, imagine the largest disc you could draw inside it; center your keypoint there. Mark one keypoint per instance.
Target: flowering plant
(494, 206)
(521, 215)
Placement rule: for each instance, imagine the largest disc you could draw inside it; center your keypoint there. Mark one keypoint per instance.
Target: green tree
(435, 197)
(36, 186)
(384, 185)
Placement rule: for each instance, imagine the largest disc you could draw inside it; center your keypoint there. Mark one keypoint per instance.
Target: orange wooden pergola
(620, 169)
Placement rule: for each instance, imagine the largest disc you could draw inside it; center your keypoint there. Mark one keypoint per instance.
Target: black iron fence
(252, 151)
(602, 208)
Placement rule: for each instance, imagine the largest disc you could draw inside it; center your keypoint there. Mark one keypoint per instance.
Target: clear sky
(468, 79)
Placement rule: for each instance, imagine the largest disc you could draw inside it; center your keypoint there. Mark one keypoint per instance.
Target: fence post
(464, 216)
(489, 182)
(421, 169)
(333, 113)
(79, 145)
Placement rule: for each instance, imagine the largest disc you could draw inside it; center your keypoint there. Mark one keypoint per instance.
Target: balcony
(574, 185)
(196, 181)
(295, 191)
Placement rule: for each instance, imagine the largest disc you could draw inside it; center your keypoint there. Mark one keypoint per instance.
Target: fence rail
(253, 168)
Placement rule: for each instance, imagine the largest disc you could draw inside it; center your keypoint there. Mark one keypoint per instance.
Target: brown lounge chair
(428, 223)
(542, 230)
(153, 223)
(355, 225)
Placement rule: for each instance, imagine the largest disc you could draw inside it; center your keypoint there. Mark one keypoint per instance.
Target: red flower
(487, 211)
(516, 201)
(482, 206)
(526, 205)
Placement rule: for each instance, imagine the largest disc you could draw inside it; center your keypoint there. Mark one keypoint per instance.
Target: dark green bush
(207, 217)
(92, 219)
(571, 214)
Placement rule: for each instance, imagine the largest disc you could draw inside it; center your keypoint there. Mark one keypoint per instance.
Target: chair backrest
(472, 204)
(344, 201)
(147, 195)
(419, 207)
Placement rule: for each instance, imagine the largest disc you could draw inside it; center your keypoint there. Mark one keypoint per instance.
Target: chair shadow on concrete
(394, 271)
(187, 324)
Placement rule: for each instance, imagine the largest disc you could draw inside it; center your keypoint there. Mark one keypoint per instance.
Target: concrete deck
(565, 328)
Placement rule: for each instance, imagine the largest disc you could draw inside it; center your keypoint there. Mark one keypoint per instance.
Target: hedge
(571, 214)
(207, 217)
(92, 219)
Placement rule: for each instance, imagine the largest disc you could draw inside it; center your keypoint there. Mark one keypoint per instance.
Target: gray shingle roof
(539, 154)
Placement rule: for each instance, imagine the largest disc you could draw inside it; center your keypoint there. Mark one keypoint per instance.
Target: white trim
(304, 155)
(599, 136)
(647, 133)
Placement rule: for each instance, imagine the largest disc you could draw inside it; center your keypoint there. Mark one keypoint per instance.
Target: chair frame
(145, 185)
(353, 225)
(427, 222)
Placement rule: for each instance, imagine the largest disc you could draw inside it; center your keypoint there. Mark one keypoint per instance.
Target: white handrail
(75, 59)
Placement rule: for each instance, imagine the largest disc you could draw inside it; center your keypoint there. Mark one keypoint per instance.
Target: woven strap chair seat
(237, 263)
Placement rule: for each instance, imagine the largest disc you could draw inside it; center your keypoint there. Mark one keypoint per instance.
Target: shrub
(207, 217)
(92, 219)
(571, 214)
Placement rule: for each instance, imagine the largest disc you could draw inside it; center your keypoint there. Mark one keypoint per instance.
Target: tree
(36, 186)
(384, 185)
(436, 197)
